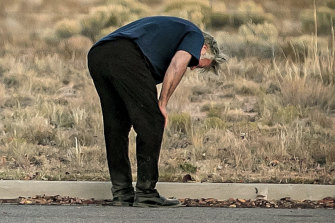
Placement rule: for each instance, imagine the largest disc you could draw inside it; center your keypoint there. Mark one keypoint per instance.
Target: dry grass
(268, 117)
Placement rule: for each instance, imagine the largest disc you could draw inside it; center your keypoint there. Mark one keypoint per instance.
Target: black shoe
(155, 201)
(123, 201)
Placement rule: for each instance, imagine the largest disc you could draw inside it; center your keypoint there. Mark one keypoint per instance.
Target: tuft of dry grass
(67, 28)
(115, 13)
(196, 11)
(75, 46)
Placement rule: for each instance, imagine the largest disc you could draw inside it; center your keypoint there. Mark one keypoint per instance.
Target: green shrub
(206, 108)
(180, 5)
(115, 14)
(240, 19)
(250, 11)
(187, 167)
(279, 114)
(297, 48)
(180, 122)
(107, 31)
(331, 4)
(38, 131)
(102, 17)
(11, 81)
(2, 94)
(2, 70)
(325, 20)
(286, 114)
(250, 7)
(330, 155)
(245, 90)
(304, 92)
(214, 112)
(92, 24)
(259, 40)
(218, 6)
(200, 90)
(218, 20)
(264, 32)
(66, 28)
(151, 2)
(196, 11)
(77, 45)
(135, 7)
(240, 47)
(320, 118)
(260, 49)
(19, 101)
(247, 11)
(300, 47)
(214, 123)
(62, 118)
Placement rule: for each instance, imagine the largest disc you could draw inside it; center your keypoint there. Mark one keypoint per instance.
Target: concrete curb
(101, 190)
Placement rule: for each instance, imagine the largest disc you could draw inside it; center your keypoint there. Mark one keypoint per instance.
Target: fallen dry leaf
(285, 202)
(241, 200)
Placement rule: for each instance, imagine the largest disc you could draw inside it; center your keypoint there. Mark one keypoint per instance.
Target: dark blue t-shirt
(159, 38)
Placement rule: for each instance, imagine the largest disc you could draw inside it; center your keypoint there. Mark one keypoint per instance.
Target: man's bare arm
(172, 78)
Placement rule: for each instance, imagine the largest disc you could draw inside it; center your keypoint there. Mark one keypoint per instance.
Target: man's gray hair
(217, 56)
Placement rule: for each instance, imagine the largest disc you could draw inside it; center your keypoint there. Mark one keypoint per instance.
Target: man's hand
(172, 78)
(164, 113)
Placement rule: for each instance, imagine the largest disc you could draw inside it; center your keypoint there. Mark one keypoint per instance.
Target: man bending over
(125, 67)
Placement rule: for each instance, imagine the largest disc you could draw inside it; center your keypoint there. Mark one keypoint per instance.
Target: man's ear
(204, 49)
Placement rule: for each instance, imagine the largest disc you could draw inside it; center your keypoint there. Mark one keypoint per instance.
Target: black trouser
(128, 97)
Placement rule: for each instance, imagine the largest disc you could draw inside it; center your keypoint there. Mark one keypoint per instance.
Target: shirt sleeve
(192, 43)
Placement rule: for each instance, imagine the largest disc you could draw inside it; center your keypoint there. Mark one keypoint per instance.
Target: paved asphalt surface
(36, 213)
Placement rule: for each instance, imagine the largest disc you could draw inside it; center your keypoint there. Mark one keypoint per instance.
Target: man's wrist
(162, 103)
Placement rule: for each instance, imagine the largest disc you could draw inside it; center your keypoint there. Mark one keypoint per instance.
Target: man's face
(203, 62)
